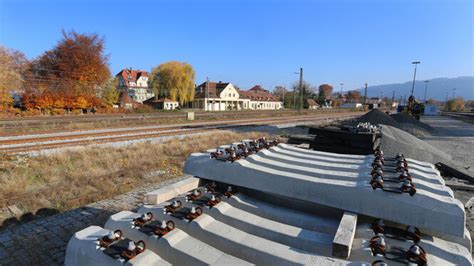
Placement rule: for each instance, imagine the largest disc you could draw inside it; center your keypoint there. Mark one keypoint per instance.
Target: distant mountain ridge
(437, 88)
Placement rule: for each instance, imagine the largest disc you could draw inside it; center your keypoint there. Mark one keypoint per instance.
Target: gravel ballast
(400, 121)
(377, 117)
(395, 140)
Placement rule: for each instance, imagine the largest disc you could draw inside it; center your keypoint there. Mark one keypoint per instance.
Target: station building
(223, 96)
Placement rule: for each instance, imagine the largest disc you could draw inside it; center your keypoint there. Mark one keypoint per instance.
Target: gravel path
(44, 241)
(454, 137)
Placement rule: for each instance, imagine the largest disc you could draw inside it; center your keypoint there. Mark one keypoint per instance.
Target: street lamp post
(342, 85)
(365, 93)
(426, 88)
(301, 91)
(414, 77)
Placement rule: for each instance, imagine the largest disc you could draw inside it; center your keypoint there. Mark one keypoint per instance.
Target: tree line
(74, 76)
(322, 95)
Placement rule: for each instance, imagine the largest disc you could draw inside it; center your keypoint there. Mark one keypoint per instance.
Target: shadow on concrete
(28, 217)
(44, 241)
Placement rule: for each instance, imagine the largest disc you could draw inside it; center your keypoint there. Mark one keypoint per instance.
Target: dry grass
(86, 122)
(74, 178)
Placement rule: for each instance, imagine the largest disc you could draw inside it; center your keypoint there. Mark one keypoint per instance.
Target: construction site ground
(43, 241)
(456, 138)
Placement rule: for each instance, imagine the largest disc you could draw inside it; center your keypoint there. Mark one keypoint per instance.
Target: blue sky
(262, 42)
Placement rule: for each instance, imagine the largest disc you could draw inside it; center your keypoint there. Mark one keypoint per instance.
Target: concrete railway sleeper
(238, 243)
(398, 164)
(176, 247)
(221, 225)
(114, 245)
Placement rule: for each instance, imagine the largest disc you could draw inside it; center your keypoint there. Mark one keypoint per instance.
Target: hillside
(437, 88)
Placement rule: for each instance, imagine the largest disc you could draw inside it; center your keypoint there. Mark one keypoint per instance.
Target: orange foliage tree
(68, 76)
(353, 96)
(326, 90)
(77, 65)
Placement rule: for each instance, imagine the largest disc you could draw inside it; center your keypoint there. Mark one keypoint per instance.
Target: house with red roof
(222, 96)
(135, 84)
(126, 102)
(261, 99)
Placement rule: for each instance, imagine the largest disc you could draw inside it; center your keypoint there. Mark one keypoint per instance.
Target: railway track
(8, 126)
(33, 143)
(463, 116)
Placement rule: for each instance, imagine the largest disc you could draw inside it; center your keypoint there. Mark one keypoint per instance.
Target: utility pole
(365, 94)
(414, 77)
(301, 90)
(284, 90)
(393, 97)
(294, 97)
(426, 88)
(207, 94)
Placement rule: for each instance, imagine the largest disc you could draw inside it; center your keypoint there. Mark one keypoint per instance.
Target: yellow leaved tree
(173, 80)
(12, 63)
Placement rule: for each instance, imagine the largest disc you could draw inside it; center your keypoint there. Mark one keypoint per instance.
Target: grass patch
(75, 178)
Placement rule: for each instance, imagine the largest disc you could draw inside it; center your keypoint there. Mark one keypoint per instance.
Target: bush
(455, 105)
(143, 109)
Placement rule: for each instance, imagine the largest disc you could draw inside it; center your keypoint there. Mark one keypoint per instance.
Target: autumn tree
(353, 96)
(454, 105)
(110, 94)
(77, 65)
(326, 90)
(174, 80)
(12, 65)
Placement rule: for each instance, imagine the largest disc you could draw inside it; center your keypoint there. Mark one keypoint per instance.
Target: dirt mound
(396, 140)
(406, 119)
(377, 117)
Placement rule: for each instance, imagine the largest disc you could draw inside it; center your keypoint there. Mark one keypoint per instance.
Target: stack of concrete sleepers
(336, 140)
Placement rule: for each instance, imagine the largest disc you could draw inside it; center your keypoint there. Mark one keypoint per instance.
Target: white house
(219, 96)
(135, 83)
(257, 98)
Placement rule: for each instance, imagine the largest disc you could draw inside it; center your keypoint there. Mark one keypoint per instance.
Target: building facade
(135, 83)
(257, 98)
(163, 103)
(219, 96)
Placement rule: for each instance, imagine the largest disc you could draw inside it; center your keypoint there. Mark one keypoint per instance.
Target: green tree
(110, 94)
(174, 80)
(322, 97)
(308, 92)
